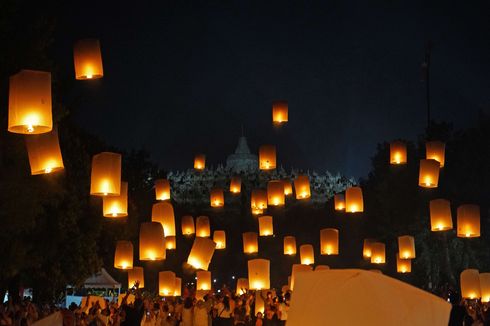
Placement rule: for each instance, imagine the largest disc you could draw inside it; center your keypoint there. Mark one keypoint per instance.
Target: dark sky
(181, 77)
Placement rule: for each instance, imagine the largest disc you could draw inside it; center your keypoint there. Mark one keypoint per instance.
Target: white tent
(358, 297)
(102, 280)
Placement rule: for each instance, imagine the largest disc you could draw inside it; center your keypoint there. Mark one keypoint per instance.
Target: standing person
(224, 312)
(283, 308)
(240, 313)
(187, 312)
(258, 320)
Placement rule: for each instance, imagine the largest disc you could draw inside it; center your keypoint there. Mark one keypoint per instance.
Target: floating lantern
(406, 247)
(203, 229)
(187, 225)
(403, 265)
(217, 197)
(259, 199)
(136, 275)
(105, 179)
(398, 153)
(170, 242)
(259, 274)
(266, 227)
(435, 150)
(306, 254)
(440, 215)
(354, 202)
(199, 162)
(267, 157)
(44, 153)
(295, 269)
(162, 189)
(116, 206)
(123, 258)
(339, 202)
(378, 253)
(302, 187)
(485, 287)
(250, 243)
(178, 287)
(468, 221)
(367, 248)
(203, 280)
(322, 268)
(152, 242)
(30, 102)
(241, 286)
(275, 193)
(288, 187)
(88, 60)
(235, 185)
(219, 237)
(279, 112)
(470, 284)
(429, 173)
(201, 253)
(257, 211)
(329, 242)
(289, 245)
(259, 303)
(166, 283)
(163, 213)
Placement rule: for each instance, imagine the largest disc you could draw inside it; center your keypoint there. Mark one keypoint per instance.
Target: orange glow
(470, 284)
(123, 257)
(354, 202)
(170, 242)
(136, 274)
(201, 253)
(163, 213)
(217, 197)
(266, 226)
(88, 59)
(219, 237)
(468, 221)
(296, 268)
(267, 157)
(203, 280)
(440, 215)
(302, 187)
(200, 162)
(307, 255)
(116, 206)
(152, 242)
(339, 202)
(106, 174)
(435, 150)
(429, 173)
(259, 274)
(235, 185)
(329, 242)
(241, 286)
(259, 199)
(275, 193)
(485, 287)
(162, 189)
(288, 188)
(406, 247)
(44, 153)
(398, 153)
(403, 265)
(203, 229)
(187, 225)
(250, 243)
(366, 249)
(289, 245)
(378, 253)
(166, 283)
(279, 112)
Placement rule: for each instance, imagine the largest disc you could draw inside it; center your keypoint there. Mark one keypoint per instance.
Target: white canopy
(359, 297)
(101, 279)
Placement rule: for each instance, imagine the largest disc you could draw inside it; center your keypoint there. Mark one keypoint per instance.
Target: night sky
(182, 77)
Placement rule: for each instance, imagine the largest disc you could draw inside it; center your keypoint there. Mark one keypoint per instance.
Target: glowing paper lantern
(289, 245)
(44, 153)
(398, 152)
(88, 60)
(485, 287)
(403, 265)
(279, 111)
(339, 202)
(295, 269)
(354, 202)
(187, 225)
(162, 189)
(329, 242)
(123, 258)
(219, 237)
(201, 253)
(136, 275)
(322, 268)
(166, 283)
(440, 215)
(178, 287)
(241, 286)
(307, 254)
(259, 199)
(470, 284)
(275, 193)
(259, 303)
(257, 211)
(203, 229)
(217, 197)
(235, 185)
(199, 162)
(163, 213)
(378, 253)
(30, 102)
(259, 274)
(288, 187)
(429, 173)
(267, 157)
(302, 187)
(435, 150)
(152, 242)
(468, 221)
(116, 206)
(170, 242)
(367, 248)
(266, 227)
(105, 179)
(406, 247)
(250, 243)
(203, 280)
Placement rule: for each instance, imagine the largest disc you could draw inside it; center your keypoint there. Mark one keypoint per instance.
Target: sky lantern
(367, 248)
(289, 245)
(406, 247)
(258, 199)
(219, 237)
(398, 152)
(162, 189)
(235, 185)
(30, 103)
(178, 287)
(203, 280)
(105, 179)
(322, 268)
(170, 242)
(123, 258)
(250, 243)
(329, 242)
(485, 287)
(288, 187)
(429, 173)
(44, 153)
(163, 213)
(307, 254)
(241, 286)
(166, 283)
(199, 162)
(279, 112)
(201, 253)
(440, 215)
(403, 265)
(187, 225)
(152, 241)
(203, 229)
(259, 274)
(275, 193)
(470, 284)
(302, 187)
(435, 150)
(354, 202)
(259, 302)
(468, 220)
(88, 59)
(294, 270)
(267, 157)
(217, 197)
(256, 211)
(116, 206)
(266, 227)
(339, 202)
(378, 253)
(136, 274)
